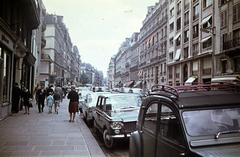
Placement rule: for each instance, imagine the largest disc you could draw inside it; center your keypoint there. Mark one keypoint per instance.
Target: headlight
(116, 125)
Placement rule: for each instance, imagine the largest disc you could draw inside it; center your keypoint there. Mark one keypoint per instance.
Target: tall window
(186, 35)
(207, 44)
(236, 13)
(195, 11)
(171, 26)
(224, 18)
(179, 8)
(195, 31)
(186, 18)
(172, 12)
(207, 3)
(178, 23)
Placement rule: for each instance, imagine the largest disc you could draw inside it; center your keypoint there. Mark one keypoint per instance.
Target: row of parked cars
(191, 121)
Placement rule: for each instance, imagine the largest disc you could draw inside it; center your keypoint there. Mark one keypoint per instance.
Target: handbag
(30, 103)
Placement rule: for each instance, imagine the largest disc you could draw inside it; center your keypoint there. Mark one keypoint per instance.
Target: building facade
(153, 45)
(60, 60)
(228, 59)
(110, 73)
(16, 57)
(193, 41)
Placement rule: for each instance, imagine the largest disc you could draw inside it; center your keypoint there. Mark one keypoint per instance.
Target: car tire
(108, 141)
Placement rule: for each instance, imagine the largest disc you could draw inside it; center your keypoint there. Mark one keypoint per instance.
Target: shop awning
(205, 39)
(230, 79)
(190, 80)
(129, 84)
(205, 20)
(177, 55)
(138, 84)
(177, 36)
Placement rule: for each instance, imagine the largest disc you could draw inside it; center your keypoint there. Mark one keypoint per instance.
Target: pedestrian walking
(73, 104)
(49, 90)
(27, 100)
(50, 102)
(57, 99)
(16, 94)
(40, 98)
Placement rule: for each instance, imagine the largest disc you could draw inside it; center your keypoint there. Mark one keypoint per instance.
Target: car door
(149, 128)
(99, 112)
(170, 139)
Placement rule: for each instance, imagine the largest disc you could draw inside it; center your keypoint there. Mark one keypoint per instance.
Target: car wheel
(108, 140)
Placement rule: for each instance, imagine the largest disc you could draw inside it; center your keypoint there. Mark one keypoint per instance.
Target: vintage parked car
(89, 105)
(115, 116)
(191, 121)
(82, 91)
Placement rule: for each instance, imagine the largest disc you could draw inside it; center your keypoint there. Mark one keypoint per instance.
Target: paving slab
(47, 135)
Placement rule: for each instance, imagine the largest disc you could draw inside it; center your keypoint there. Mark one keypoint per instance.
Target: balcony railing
(231, 43)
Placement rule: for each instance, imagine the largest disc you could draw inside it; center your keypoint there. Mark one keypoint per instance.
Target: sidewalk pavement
(46, 135)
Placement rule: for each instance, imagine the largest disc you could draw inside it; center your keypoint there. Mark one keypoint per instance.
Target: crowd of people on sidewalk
(51, 96)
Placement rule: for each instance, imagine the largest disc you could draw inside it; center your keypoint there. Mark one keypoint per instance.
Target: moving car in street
(191, 121)
(115, 116)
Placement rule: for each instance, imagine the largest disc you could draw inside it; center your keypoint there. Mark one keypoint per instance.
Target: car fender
(135, 144)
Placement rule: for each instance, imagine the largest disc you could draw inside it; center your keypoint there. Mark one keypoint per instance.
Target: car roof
(208, 98)
(200, 95)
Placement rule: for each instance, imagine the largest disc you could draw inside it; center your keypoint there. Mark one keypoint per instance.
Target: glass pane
(210, 122)
(150, 118)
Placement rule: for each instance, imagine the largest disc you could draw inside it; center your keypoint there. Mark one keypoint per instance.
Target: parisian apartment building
(34, 49)
(60, 59)
(184, 42)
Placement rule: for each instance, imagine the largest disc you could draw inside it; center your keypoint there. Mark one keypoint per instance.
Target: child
(50, 102)
(57, 98)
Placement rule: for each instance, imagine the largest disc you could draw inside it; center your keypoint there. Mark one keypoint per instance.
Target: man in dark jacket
(40, 98)
(16, 94)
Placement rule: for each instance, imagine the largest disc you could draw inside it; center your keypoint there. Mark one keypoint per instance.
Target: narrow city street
(43, 134)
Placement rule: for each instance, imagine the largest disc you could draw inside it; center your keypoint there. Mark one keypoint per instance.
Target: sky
(98, 27)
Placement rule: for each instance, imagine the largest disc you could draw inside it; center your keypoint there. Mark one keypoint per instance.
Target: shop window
(6, 76)
(224, 65)
(237, 64)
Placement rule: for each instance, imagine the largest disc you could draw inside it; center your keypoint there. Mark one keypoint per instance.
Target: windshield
(124, 101)
(210, 122)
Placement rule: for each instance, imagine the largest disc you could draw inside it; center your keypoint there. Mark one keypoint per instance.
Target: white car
(89, 105)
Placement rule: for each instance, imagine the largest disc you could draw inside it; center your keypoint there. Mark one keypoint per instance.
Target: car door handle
(182, 154)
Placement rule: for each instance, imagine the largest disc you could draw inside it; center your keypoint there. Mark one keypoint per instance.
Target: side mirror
(108, 107)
